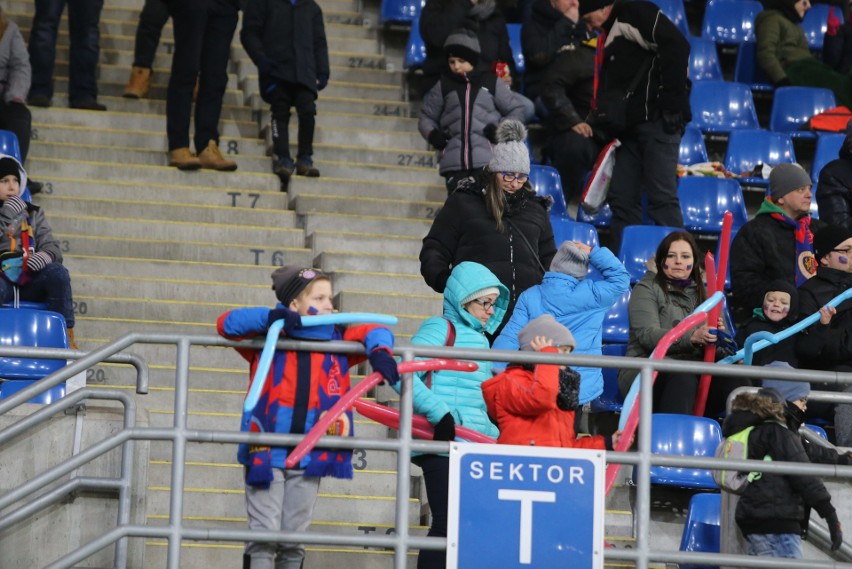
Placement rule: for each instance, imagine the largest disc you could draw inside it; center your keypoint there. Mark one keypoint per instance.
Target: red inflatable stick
(420, 426)
(345, 402)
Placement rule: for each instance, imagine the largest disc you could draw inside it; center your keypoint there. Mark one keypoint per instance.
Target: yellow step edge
(179, 241)
(143, 321)
(313, 522)
(369, 199)
(242, 491)
(238, 465)
(436, 296)
(309, 549)
(364, 234)
(173, 281)
(112, 165)
(83, 181)
(37, 124)
(169, 261)
(223, 305)
(174, 222)
(382, 217)
(84, 199)
(368, 254)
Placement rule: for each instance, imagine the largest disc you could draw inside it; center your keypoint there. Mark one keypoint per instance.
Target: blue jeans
(51, 285)
(83, 21)
(774, 545)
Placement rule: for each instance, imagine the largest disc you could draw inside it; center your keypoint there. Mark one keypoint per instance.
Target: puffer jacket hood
(466, 279)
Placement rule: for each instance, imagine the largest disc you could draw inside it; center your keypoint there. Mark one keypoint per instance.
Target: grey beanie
(547, 326)
(463, 43)
(480, 293)
(570, 260)
(510, 154)
(785, 178)
(790, 390)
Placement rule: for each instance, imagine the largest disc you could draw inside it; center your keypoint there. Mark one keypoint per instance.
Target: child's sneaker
(306, 168)
(284, 168)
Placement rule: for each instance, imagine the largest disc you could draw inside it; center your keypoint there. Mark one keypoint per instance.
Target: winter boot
(211, 158)
(306, 168)
(139, 83)
(184, 159)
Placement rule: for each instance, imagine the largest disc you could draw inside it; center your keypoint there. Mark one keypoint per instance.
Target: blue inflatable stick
(258, 381)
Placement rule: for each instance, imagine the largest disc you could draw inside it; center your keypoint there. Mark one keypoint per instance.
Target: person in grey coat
(15, 76)
(459, 108)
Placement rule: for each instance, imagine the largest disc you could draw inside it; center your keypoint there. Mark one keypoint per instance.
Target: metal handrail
(175, 532)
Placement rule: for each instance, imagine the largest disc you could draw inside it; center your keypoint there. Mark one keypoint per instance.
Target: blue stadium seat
(702, 530)
(827, 148)
(25, 304)
(34, 328)
(610, 399)
(730, 23)
(12, 386)
(674, 11)
(684, 435)
(415, 50)
(748, 148)
(704, 60)
(748, 71)
(692, 147)
(721, 106)
(638, 244)
(815, 24)
(570, 230)
(704, 201)
(814, 205)
(601, 219)
(9, 146)
(793, 107)
(517, 52)
(400, 11)
(616, 324)
(546, 182)
(817, 430)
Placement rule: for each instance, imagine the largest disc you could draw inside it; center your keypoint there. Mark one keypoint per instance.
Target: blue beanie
(790, 390)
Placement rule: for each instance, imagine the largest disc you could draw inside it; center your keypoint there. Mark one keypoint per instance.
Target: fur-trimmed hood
(751, 409)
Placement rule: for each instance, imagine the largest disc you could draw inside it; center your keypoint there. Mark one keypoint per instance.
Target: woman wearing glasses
(495, 219)
(475, 303)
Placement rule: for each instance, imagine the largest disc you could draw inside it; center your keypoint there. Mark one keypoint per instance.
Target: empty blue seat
(616, 324)
(704, 201)
(684, 435)
(730, 23)
(517, 53)
(611, 399)
(793, 107)
(674, 11)
(400, 11)
(546, 182)
(702, 530)
(25, 304)
(692, 147)
(748, 71)
(415, 49)
(704, 60)
(33, 328)
(748, 148)
(721, 106)
(638, 244)
(12, 386)
(827, 148)
(815, 24)
(569, 230)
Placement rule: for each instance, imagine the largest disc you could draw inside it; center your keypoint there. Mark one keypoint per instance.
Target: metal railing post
(178, 453)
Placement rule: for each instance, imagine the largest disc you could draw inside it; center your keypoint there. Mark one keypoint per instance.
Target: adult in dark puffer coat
(440, 18)
(553, 24)
(774, 509)
(494, 219)
(835, 186)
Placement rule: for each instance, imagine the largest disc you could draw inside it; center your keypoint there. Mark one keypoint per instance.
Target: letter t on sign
(526, 498)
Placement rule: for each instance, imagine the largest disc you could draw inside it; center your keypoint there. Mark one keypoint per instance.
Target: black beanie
(8, 166)
(825, 240)
(290, 280)
(587, 6)
(463, 43)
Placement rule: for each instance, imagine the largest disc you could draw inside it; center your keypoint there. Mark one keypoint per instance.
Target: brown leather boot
(184, 159)
(139, 83)
(211, 158)
(71, 343)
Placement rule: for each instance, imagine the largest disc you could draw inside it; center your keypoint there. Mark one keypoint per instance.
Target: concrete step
(119, 104)
(173, 231)
(305, 203)
(169, 193)
(322, 240)
(116, 87)
(354, 69)
(353, 121)
(356, 89)
(375, 225)
(381, 262)
(422, 306)
(139, 173)
(148, 248)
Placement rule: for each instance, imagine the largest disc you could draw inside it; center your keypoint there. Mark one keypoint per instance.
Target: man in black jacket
(829, 346)
(835, 186)
(551, 26)
(643, 72)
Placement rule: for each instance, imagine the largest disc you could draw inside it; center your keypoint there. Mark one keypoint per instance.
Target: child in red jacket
(535, 406)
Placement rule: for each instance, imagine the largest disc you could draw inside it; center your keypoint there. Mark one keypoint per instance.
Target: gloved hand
(490, 132)
(383, 362)
(322, 83)
(673, 122)
(445, 429)
(38, 261)
(437, 139)
(292, 320)
(834, 530)
(16, 204)
(833, 24)
(725, 342)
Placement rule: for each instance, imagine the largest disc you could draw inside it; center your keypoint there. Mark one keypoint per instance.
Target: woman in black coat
(496, 220)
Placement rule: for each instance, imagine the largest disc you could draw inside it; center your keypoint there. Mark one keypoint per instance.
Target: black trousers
(436, 473)
(155, 14)
(285, 97)
(16, 117)
(203, 31)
